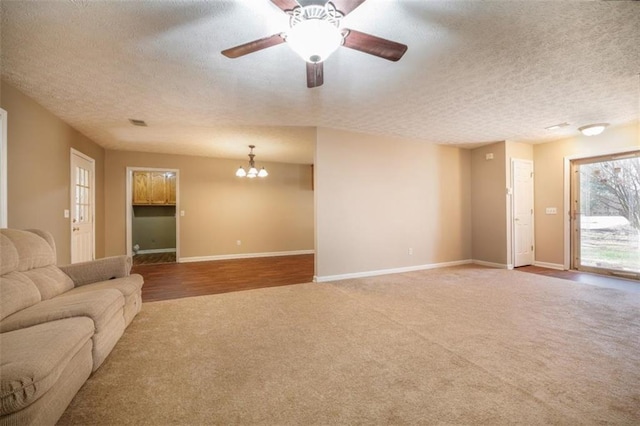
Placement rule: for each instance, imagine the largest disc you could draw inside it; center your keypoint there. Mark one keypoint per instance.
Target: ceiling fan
(315, 33)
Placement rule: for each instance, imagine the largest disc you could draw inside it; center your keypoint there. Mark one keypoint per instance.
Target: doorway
(522, 225)
(82, 207)
(152, 222)
(605, 214)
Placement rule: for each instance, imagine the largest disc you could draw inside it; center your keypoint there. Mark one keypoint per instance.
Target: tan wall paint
(376, 197)
(268, 215)
(154, 227)
(38, 153)
(489, 203)
(549, 182)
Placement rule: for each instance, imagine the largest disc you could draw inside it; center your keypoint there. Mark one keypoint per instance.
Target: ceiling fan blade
(315, 74)
(285, 5)
(253, 46)
(346, 6)
(373, 45)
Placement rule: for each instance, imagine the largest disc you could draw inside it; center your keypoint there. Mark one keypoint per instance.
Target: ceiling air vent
(137, 122)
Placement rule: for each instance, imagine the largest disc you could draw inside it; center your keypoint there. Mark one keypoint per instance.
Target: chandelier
(253, 172)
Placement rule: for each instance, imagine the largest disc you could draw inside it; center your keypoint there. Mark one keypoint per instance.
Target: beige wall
(549, 182)
(38, 153)
(376, 197)
(153, 227)
(489, 203)
(268, 215)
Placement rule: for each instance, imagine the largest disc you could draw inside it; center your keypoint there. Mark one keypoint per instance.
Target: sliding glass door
(605, 214)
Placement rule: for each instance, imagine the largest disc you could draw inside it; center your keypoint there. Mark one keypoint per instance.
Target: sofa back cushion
(28, 264)
(8, 255)
(34, 251)
(18, 292)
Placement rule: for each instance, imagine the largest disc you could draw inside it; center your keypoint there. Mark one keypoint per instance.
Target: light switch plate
(551, 210)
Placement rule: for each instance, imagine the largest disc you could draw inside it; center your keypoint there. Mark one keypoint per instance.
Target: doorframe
(4, 186)
(513, 214)
(567, 193)
(93, 199)
(129, 205)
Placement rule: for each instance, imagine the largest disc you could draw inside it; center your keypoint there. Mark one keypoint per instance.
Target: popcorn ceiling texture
(475, 72)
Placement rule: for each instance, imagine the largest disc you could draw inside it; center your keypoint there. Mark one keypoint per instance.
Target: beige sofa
(57, 324)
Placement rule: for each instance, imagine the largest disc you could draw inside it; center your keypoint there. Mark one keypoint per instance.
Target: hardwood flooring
(152, 258)
(585, 278)
(176, 280)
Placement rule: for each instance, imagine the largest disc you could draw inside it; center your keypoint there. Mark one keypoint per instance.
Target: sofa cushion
(33, 358)
(33, 250)
(8, 255)
(99, 305)
(127, 286)
(50, 280)
(18, 292)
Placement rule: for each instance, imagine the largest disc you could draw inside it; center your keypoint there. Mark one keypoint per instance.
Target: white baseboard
(557, 266)
(492, 264)
(243, 256)
(328, 278)
(167, 250)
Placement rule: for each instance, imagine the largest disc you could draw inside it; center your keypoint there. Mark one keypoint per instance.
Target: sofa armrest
(98, 270)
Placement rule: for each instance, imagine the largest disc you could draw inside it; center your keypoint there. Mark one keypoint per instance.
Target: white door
(82, 207)
(522, 174)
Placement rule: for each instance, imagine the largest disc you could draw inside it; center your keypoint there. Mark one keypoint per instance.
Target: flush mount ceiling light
(593, 129)
(253, 172)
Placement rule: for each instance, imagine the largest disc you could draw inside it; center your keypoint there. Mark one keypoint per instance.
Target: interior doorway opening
(605, 214)
(152, 219)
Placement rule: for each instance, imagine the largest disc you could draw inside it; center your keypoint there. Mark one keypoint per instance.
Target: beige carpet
(465, 345)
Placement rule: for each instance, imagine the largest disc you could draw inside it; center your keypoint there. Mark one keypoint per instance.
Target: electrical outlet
(410, 251)
(238, 242)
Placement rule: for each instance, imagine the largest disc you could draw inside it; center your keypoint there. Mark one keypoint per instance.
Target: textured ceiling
(475, 72)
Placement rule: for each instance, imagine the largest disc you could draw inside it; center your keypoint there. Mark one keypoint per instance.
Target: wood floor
(152, 258)
(585, 278)
(177, 280)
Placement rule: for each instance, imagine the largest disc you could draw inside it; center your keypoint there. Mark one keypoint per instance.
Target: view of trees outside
(610, 214)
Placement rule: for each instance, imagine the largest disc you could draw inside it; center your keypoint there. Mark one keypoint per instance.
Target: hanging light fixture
(253, 172)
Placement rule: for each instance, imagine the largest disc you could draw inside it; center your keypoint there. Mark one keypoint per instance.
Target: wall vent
(137, 122)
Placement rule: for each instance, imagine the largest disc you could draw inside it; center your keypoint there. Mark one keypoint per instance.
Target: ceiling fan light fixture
(315, 31)
(314, 39)
(593, 129)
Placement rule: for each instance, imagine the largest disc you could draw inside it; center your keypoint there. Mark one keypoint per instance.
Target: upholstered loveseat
(57, 324)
